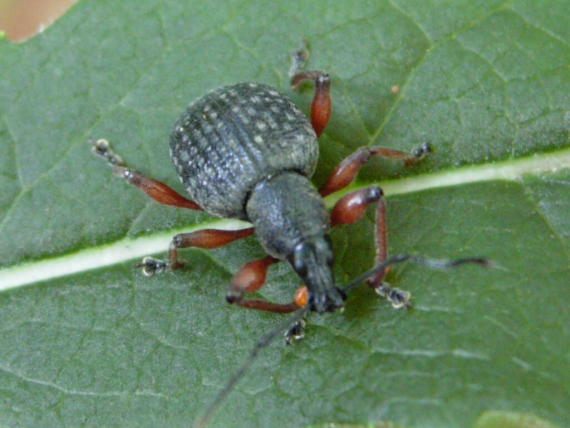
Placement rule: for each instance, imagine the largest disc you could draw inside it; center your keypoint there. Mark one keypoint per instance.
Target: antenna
(264, 341)
(432, 263)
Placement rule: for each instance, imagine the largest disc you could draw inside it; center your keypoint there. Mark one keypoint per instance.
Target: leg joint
(374, 193)
(422, 150)
(233, 296)
(177, 241)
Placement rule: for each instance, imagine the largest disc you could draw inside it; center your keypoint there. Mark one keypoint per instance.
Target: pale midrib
(134, 248)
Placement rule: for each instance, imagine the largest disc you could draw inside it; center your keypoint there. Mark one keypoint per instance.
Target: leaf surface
(486, 83)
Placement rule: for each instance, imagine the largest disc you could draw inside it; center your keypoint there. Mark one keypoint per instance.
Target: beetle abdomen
(234, 137)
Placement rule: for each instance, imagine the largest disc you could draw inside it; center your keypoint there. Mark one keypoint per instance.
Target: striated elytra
(236, 137)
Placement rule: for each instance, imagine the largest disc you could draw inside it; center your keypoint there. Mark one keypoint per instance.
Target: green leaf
(89, 341)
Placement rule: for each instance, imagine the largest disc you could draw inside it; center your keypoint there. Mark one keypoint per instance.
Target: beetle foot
(398, 298)
(296, 332)
(234, 296)
(102, 149)
(298, 60)
(422, 150)
(151, 266)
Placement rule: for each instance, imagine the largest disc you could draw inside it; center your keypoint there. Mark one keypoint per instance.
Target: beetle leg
(265, 305)
(321, 106)
(346, 171)
(206, 238)
(158, 191)
(250, 278)
(349, 209)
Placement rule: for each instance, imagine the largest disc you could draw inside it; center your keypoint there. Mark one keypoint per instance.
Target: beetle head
(312, 259)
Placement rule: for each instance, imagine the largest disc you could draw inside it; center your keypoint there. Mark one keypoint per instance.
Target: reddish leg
(321, 106)
(346, 171)
(206, 238)
(158, 191)
(265, 305)
(250, 278)
(349, 209)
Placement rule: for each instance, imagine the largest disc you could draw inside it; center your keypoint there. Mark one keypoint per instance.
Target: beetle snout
(327, 300)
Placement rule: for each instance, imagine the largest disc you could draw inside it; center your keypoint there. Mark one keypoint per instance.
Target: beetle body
(246, 151)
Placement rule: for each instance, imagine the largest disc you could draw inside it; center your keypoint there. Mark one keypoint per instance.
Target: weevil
(246, 151)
